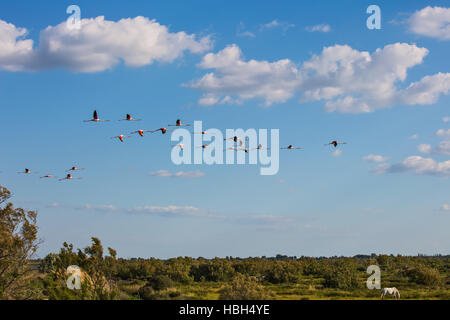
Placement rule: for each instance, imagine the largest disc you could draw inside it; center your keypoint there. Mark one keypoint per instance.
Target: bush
(148, 293)
(160, 283)
(213, 270)
(284, 272)
(425, 275)
(49, 263)
(341, 277)
(244, 288)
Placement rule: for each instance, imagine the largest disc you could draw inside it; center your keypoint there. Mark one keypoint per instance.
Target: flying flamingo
(120, 137)
(260, 147)
(235, 138)
(204, 146)
(129, 118)
(69, 177)
(140, 132)
(179, 145)
(74, 168)
(238, 149)
(335, 143)
(27, 171)
(95, 118)
(48, 176)
(290, 147)
(163, 130)
(179, 124)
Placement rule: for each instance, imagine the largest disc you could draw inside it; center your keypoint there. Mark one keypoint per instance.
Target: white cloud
(14, 51)
(97, 46)
(276, 24)
(418, 165)
(160, 210)
(427, 90)
(446, 119)
(241, 32)
(424, 148)
(179, 174)
(443, 148)
(319, 28)
(272, 81)
(375, 158)
(353, 81)
(246, 34)
(443, 133)
(432, 22)
(381, 168)
(445, 207)
(414, 136)
(272, 24)
(185, 211)
(347, 80)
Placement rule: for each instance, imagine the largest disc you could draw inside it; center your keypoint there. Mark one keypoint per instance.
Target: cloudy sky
(314, 71)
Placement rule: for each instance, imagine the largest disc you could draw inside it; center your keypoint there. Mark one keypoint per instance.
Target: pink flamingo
(129, 118)
(235, 138)
(335, 143)
(48, 176)
(121, 137)
(180, 145)
(96, 118)
(75, 168)
(260, 147)
(69, 177)
(179, 124)
(140, 132)
(163, 130)
(290, 147)
(27, 171)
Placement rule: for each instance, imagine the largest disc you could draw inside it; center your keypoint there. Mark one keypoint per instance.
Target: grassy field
(308, 288)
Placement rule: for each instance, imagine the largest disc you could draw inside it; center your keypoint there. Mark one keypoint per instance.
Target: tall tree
(18, 243)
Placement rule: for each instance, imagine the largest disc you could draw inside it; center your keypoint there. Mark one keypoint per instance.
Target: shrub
(244, 288)
(160, 282)
(425, 275)
(284, 272)
(341, 277)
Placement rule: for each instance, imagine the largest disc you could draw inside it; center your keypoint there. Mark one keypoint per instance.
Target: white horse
(392, 291)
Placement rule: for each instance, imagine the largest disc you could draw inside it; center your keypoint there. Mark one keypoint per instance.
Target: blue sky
(318, 203)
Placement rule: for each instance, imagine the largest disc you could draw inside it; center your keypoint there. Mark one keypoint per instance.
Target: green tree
(97, 273)
(425, 275)
(18, 243)
(341, 275)
(244, 288)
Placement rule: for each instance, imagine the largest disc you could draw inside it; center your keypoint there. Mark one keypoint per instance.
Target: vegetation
(281, 277)
(18, 243)
(245, 288)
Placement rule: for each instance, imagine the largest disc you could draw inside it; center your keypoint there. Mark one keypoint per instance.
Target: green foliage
(213, 270)
(18, 243)
(160, 282)
(97, 272)
(425, 275)
(341, 275)
(284, 272)
(244, 288)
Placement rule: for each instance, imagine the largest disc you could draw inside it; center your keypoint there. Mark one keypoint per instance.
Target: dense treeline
(338, 271)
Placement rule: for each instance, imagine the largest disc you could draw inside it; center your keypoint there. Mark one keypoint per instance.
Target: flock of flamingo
(238, 147)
